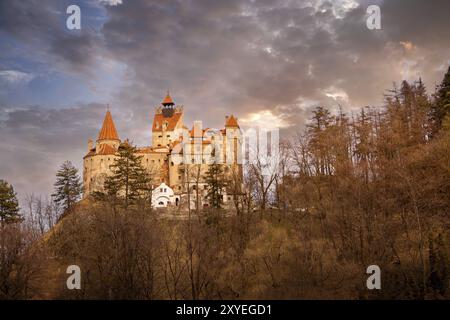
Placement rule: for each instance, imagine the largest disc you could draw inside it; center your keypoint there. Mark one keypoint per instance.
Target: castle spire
(231, 122)
(108, 130)
(168, 100)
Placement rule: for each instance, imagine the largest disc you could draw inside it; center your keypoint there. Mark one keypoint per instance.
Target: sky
(267, 62)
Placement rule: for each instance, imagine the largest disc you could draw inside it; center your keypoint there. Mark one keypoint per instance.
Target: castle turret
(232, 143)
(108, 134)
(167, 123)
(98, 160)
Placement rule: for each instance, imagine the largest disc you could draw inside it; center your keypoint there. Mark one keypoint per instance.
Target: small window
(161, 189)
(171, 163)
(161, 203)
(168, 136)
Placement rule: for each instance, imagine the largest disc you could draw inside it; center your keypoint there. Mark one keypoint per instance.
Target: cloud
(110, 2)
(36, 140)
(15, 77)
(271, 61)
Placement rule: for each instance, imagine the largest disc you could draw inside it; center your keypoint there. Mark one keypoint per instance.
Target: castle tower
(108, 134)
(97, 162)
(232, 140)
(167, 123)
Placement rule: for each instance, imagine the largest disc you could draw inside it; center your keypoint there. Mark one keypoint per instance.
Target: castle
(177, 159)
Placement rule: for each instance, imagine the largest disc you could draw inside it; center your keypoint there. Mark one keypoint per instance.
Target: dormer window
(165, 125)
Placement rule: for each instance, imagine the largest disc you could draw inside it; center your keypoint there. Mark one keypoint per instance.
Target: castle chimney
(90, 144)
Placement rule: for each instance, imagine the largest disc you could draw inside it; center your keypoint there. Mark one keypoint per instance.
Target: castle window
(171, 163)
(168, 136)
(159, 136)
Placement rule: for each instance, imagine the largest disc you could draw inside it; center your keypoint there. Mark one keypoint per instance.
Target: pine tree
(129, 179)
(214, 178)
(441, 106)
(9, 205)
(68, 187)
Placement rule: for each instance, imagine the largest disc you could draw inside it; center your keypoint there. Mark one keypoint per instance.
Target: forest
(371, 187)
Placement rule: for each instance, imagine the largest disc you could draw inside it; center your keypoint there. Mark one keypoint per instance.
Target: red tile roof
(108, 130)
(167, 100)
(231, 121)
(106, 149)
(172, 121)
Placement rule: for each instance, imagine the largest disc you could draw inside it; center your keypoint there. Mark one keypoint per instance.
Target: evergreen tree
(441, 106)
(68, 187)
(129, 179)
(214, 178)
(9, 206)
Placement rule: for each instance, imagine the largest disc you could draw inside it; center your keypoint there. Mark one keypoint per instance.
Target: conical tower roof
(231, 122)
(108, 130)
(168, 100)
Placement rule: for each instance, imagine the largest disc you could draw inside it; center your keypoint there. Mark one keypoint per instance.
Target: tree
(68, 187)
(214, 178)
(9, 205)
(441, 106)
(129, 179)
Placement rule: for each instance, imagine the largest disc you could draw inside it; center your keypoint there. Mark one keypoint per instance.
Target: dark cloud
(245, 56)
(41, 25)
(35, 141)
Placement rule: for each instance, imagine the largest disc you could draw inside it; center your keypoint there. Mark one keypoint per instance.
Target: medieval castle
(177, 159)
